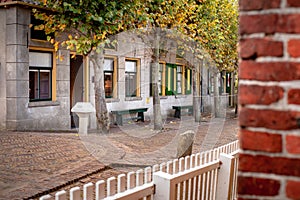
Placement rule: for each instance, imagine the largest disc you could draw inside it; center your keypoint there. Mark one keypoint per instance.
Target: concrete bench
(178, 109)
(139, 117)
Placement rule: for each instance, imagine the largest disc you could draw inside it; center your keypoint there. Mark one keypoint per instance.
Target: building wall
(3, 69)
(20, 113)
(138, 50)
(269, 99)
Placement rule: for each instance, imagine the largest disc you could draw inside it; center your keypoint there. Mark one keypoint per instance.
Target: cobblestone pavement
(36, 163)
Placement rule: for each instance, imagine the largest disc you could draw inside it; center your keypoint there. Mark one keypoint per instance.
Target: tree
(214, 24)
(162, 15)
(84, 27)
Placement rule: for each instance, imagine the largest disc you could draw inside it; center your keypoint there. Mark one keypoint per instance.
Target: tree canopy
(88, 23)
(211, 23)
(214, 24)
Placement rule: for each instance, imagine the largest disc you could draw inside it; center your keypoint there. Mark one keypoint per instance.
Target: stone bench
(119, 114)
(178, 109)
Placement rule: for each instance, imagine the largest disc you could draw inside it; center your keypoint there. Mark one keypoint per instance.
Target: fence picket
(130, 180)
(175, 166)
(75, 193)
(162, 167)
(88, 191)
(139, 177)
(148, 175)
(155, 168)
(193, 161)
(181, 164)
(46, 197)
(121, 183)
(169, 169)
(111, 186)
(61, 195)
(100, 189)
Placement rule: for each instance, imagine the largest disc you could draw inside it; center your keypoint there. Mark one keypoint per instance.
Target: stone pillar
(17, 59)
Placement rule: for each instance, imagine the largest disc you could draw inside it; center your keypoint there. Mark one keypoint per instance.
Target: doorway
(76, 86)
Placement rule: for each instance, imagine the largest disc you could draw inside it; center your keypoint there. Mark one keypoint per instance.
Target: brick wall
(269, 98)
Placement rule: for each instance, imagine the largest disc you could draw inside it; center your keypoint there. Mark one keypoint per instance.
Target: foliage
(215, 25)
(88, 23)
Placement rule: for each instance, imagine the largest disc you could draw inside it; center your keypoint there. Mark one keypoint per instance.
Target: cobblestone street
(36, 163)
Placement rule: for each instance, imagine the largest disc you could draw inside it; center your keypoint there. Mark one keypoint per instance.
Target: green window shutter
(170, 68)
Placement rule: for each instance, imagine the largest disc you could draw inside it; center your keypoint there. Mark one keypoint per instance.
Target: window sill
(133, 98)
(43, 104)
(163, 97)
(111, 100)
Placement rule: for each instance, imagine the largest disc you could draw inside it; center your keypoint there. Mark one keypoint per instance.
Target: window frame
(170, 81)
(52, 84)
(114, 76)
(137, 77)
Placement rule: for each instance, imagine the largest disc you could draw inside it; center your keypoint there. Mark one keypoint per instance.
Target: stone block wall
(269, 98)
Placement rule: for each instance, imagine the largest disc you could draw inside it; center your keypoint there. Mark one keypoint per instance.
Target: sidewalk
(35, 163)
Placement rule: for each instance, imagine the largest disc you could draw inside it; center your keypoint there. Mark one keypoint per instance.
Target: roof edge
(20, 3)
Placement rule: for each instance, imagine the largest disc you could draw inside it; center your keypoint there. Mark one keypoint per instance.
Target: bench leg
(191, 111)
(177, 113)
(141, 116)
(119, 120)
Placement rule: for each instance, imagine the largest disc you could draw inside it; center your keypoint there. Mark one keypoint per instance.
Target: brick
(292, 189)
(258, 23)
(258, 186)
(288, 23)
(293, 144)
(272, 119)
(269, 23)
(246, 5)
(262, 95)
(269, 71)
(293, 48)
(293, 3)
(294, 96)
(270, 165)
(252, 48)
(260, 141)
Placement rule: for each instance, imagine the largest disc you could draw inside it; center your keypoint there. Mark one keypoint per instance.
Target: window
(179, 80)
(131, 78)
(40, 76)
(174, 79)
(109, 80)
(161, 80)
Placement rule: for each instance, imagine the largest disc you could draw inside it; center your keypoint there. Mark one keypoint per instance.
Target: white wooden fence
(204, 176)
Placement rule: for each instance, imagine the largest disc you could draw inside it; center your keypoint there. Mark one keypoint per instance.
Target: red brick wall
(269, 99)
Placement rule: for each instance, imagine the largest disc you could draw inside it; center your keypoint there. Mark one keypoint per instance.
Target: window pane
(108, 84)
(179, 79)
(108, 64)
(130, 66)
(45, 87)
(130, 84)
(33, 84)
(38, 59)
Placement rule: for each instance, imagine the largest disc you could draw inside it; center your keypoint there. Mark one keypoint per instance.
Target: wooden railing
(209, 175)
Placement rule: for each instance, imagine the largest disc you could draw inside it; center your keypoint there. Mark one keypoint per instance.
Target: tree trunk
(156, 100)
(196, 95)
(216, 93)
(100, 103)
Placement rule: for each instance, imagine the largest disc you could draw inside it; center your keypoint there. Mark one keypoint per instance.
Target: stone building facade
(38, 89)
